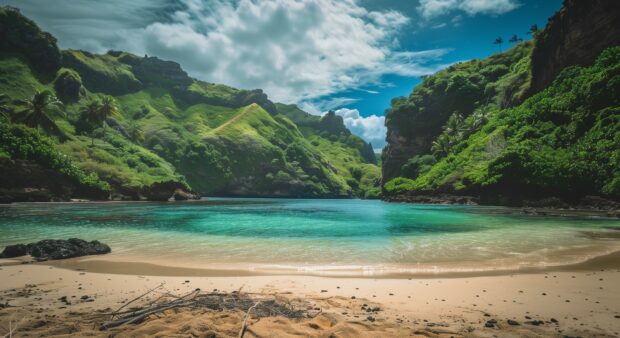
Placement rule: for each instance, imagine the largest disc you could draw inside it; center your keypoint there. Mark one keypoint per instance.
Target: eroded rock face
(400, 148)
(575, 35)
(27, 181)
(56, 249)
(164, 191)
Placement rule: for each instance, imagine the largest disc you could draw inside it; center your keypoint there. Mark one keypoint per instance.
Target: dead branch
(244, 326)
(135, 299)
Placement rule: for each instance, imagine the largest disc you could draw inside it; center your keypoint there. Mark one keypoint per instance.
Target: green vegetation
(562, 142)
(23, 143)
(132, 121)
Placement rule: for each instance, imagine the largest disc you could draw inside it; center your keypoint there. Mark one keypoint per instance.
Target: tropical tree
(498, 41)
(441, 146)
(455, 126)
(39, 111)
(90, 114)
(514, 39)
(135, 132)
(107, 109)
(533, 29)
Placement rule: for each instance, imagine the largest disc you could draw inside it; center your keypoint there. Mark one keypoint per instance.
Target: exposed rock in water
(56, 249)
(165, 191)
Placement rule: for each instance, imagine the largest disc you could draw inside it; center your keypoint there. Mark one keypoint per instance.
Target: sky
(351, 56)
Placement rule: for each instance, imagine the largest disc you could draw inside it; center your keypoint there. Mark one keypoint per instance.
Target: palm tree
(499, 41)
(107, 109)
(441, 146)
(135, 132)
(90, 113)
(533, 29)
(455, 126)
(39, 110)
(515, 39)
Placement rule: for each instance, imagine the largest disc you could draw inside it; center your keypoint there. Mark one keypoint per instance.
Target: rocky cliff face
(575, 35)
(27, 181)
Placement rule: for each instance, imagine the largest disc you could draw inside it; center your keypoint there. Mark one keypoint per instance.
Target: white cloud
(434, 8)
(295, 50)
(370, 128)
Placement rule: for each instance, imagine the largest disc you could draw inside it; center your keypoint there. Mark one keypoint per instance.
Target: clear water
(317, 235)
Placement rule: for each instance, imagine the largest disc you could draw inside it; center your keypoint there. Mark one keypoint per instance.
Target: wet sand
(579, 300)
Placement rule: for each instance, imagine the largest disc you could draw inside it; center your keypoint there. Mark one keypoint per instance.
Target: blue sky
(468, 37)
(352, 56)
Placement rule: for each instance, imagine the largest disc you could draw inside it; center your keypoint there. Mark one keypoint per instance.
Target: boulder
(56, 249)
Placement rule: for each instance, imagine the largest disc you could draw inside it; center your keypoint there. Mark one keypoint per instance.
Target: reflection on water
(317, 234)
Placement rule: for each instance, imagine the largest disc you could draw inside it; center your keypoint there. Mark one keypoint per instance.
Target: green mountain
(168, 132)
(505, 130)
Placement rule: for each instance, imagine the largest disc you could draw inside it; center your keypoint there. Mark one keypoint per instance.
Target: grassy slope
(219, 139)
(250, 153)
(364, 178)
(562, 142)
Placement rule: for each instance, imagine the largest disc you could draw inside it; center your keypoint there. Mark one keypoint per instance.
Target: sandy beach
(581, 300)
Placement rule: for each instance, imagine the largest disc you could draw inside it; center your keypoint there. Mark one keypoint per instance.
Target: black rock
(57, 249)
(535, 322)
(487, 324)
(370, 318)
(513, 322)
(16, 250)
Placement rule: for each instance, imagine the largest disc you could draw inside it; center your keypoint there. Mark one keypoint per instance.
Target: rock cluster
(56, 249)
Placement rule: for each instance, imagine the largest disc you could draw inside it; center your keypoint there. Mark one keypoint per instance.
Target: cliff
(575, 35)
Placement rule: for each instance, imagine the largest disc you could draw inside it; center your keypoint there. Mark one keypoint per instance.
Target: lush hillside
(459, 91)
(563, 142)
(163, 126)
(477, 129)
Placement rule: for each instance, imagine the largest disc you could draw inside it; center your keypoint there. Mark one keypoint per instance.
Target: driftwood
(198, 300)
(244, 325)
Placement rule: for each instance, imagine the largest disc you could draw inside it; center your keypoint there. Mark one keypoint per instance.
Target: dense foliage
(21, 142)
(563, 141)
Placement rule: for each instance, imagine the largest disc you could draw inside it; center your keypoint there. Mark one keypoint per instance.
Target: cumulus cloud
(370, 128)
(434, 8)
(295, 50)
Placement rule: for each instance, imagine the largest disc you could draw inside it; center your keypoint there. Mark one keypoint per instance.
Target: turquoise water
(317, 235)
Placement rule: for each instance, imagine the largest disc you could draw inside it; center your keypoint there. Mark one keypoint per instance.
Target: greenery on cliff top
(562, 141)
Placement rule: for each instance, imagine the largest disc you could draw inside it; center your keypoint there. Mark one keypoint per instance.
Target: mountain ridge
(177, 116)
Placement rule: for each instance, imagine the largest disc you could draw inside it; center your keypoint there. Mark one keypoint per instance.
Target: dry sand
(584, 299)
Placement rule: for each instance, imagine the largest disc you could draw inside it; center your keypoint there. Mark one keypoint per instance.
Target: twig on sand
(135, 299)
(11, 330)
(244, 326)
(261, 307)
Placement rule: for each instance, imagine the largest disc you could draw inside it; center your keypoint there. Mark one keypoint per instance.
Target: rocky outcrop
(27, 181)
(56, 249)
(169, 190)
(68, 86)
(400, 148)
(333, 124)
(575, 35)
(152, 71)
(19, 34)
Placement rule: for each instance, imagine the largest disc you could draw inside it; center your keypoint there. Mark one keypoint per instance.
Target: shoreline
(612, 212)
(125, 266)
